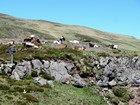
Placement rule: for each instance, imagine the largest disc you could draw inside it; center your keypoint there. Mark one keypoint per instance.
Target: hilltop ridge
(12, 27)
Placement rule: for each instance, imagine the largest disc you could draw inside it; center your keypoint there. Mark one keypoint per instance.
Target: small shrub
(4, 87)
(34, 73)
(116, 51)
(112, 99)
(47, 76)
(34, 88)
(123, 93)
(30, 98)
(86, 40)
(17, 82)
(9, 97)
(18, 89)
(119, 91)
(103, 54)
(20, 103)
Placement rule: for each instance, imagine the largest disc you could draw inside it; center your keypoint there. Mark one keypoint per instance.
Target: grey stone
(102, 84)
(41, 81)
(78, 81)
(50, 83)
(58, 71)
(7, 70)
(22, 69)
(46, 64)
(69, 66)
(103, 61)
(28, 66)
(16, 76)
(37, 64)
(112, 83)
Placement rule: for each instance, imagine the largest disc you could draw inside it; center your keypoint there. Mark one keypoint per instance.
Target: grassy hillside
(61, 94)
(11, 27)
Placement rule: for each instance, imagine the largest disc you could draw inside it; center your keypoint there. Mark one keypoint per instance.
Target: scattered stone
(112, 83)
(78, 81)
(40, 81)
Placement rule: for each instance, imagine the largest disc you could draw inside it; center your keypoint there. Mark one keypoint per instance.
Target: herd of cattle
(32, 41)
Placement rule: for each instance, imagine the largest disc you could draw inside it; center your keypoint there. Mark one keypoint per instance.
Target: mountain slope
(11, 27)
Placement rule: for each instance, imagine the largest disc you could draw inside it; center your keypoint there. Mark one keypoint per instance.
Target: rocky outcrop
(21, 70)
(61, 71)
(117, 70)
(78, 81)
(110, 71)
(43, 82)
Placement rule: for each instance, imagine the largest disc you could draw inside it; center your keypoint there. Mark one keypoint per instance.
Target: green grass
(61, 94)
(41, 53)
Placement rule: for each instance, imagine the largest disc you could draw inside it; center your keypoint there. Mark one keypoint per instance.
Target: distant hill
(11, 27)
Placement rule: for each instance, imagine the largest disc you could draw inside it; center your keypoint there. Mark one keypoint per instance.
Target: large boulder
(46, 64)
(37, 65)
(120, 69)
(41, 81)
(70, 68)
(112, 83)
(58, 71)
(21, 70)
(78, 81)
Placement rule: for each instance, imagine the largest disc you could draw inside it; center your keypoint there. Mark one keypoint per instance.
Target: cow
(93, 45)
(80, 48)
(62, 46)
(114, 46)
(74, 41)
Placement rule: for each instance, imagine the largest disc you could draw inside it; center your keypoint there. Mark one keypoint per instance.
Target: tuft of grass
(20, 103)
(102, 54)
(34, 88)
(30, 97)
(122, 93)
(46, 76)
(4, 87)
(112, 99)
(34, 73)
(18, 89)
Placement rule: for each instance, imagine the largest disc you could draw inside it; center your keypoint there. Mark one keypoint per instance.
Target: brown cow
(62, 46)
(80, 48)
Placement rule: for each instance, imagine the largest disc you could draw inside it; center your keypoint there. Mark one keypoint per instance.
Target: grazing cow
(44, 42)
(11, 42)
(62, 39)
(93, 45)
(62, 46)
(56, 42)
(29, 38)
(80, 48)
(114, 46)
(31, 41)
(74, 41)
